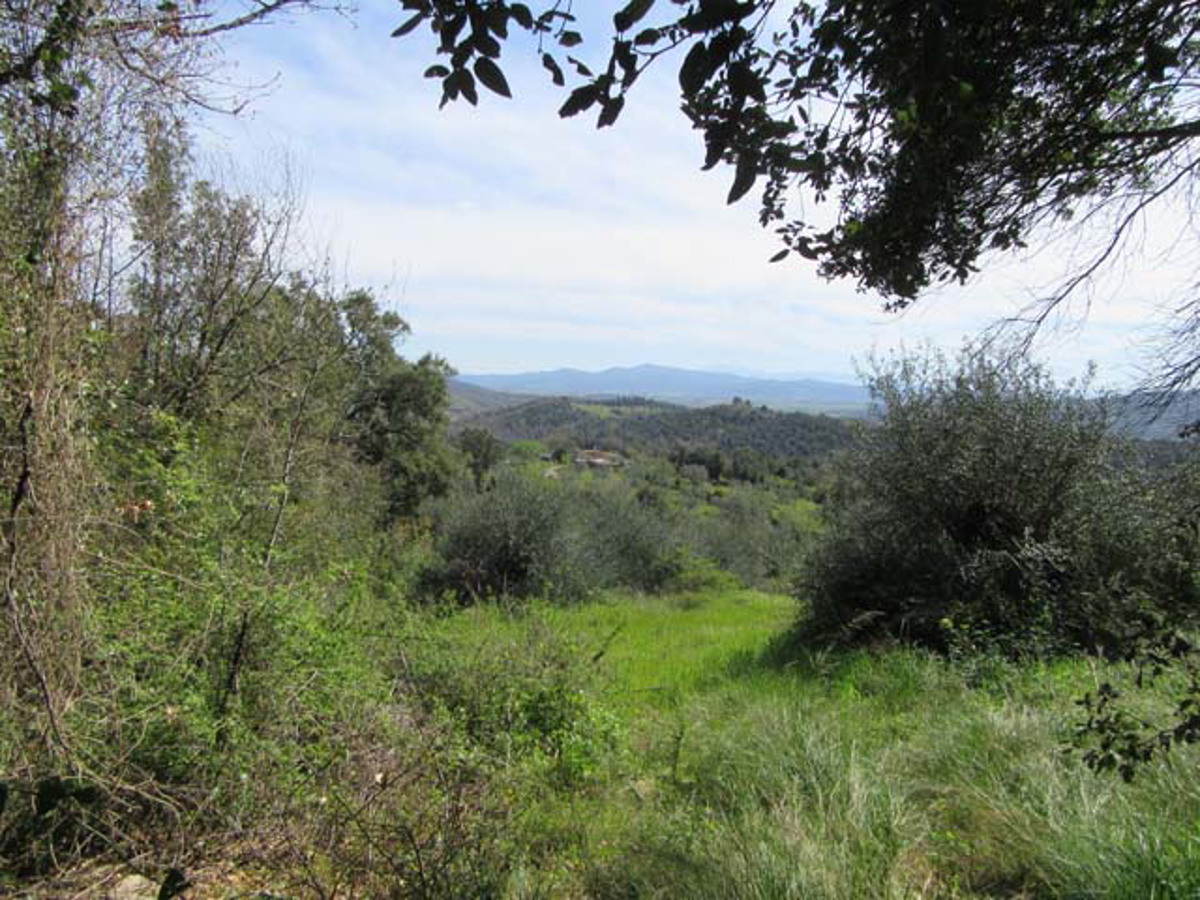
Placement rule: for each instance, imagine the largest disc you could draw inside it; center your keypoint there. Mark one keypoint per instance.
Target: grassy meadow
(724, 773)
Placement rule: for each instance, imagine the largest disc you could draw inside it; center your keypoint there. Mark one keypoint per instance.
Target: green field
(868, 774)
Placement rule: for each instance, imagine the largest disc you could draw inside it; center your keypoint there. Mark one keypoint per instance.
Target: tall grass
(886, 774)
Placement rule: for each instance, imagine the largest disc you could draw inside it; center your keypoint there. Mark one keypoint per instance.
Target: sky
(511, 240)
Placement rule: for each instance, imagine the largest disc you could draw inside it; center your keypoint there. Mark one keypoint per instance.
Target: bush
(632, 537)
(520, 538)
(990, 508)
(522, 703)
(531, 536)
(745, 535)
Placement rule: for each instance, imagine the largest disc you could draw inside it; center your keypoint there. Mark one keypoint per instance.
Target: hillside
(468, 399)
(688, 387)
(639, 424)
(1144, 416)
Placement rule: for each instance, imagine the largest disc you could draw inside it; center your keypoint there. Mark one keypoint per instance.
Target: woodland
(273, 626)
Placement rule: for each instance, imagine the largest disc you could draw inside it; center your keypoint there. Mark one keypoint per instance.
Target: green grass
(840, 775)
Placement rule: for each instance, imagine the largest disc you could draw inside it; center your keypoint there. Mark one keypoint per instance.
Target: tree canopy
(939, 131)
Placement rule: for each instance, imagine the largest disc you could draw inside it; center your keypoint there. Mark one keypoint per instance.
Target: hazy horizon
(843, 377)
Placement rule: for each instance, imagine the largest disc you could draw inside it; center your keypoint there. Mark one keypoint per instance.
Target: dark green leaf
(461, 54)
(694, 71)
(580, 67)
(581, 99)
(487, 45)
(633, 13)
(477, 18)
(450, 32)
(556, 74)
(468, 88)
(746, 82)
(521, 14)
(409, 25)
(723, 45)
(780, 256)
(647, 37)
(804, 248)
(491, 77)
(1158, 60)
(497, 20)
(612, 109)
(714, 150)
(461, 81)
(713, 14)
(626, 59)
(743, 180)
(570, 38)
(437, 72)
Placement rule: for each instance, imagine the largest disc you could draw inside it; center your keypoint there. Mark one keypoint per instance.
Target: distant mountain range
(683, 386)
(1133, 414)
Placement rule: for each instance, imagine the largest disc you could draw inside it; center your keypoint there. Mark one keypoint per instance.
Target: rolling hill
(468, 399)
(683, 386)
(649, 425)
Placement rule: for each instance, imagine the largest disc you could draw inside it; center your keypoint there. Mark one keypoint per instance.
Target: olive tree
(988, 507)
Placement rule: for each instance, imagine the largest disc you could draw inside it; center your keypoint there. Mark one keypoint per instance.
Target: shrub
(530, 536)
(988, 507)
(699, 575)
(520, 538)
(523, 702)
(745, 535)
(631, 535)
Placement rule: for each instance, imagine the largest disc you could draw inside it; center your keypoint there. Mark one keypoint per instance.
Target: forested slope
(637, 424)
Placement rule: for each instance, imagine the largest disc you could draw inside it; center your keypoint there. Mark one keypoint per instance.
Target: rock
(134, 887)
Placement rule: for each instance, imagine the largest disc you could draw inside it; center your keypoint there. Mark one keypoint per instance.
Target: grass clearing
(842, 775)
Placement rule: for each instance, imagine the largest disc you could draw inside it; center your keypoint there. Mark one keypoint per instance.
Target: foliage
(247, 432)
(552, 532)
(531, 536)
(739, 441)
(746, 536)
(400, 419)
(516, 539)
(523, 702)
(1117, 739)
(483, 452)
(634, 544)
(988, 509)
(1118, 733)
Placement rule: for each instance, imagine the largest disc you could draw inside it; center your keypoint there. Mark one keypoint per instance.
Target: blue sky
(511, 240)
